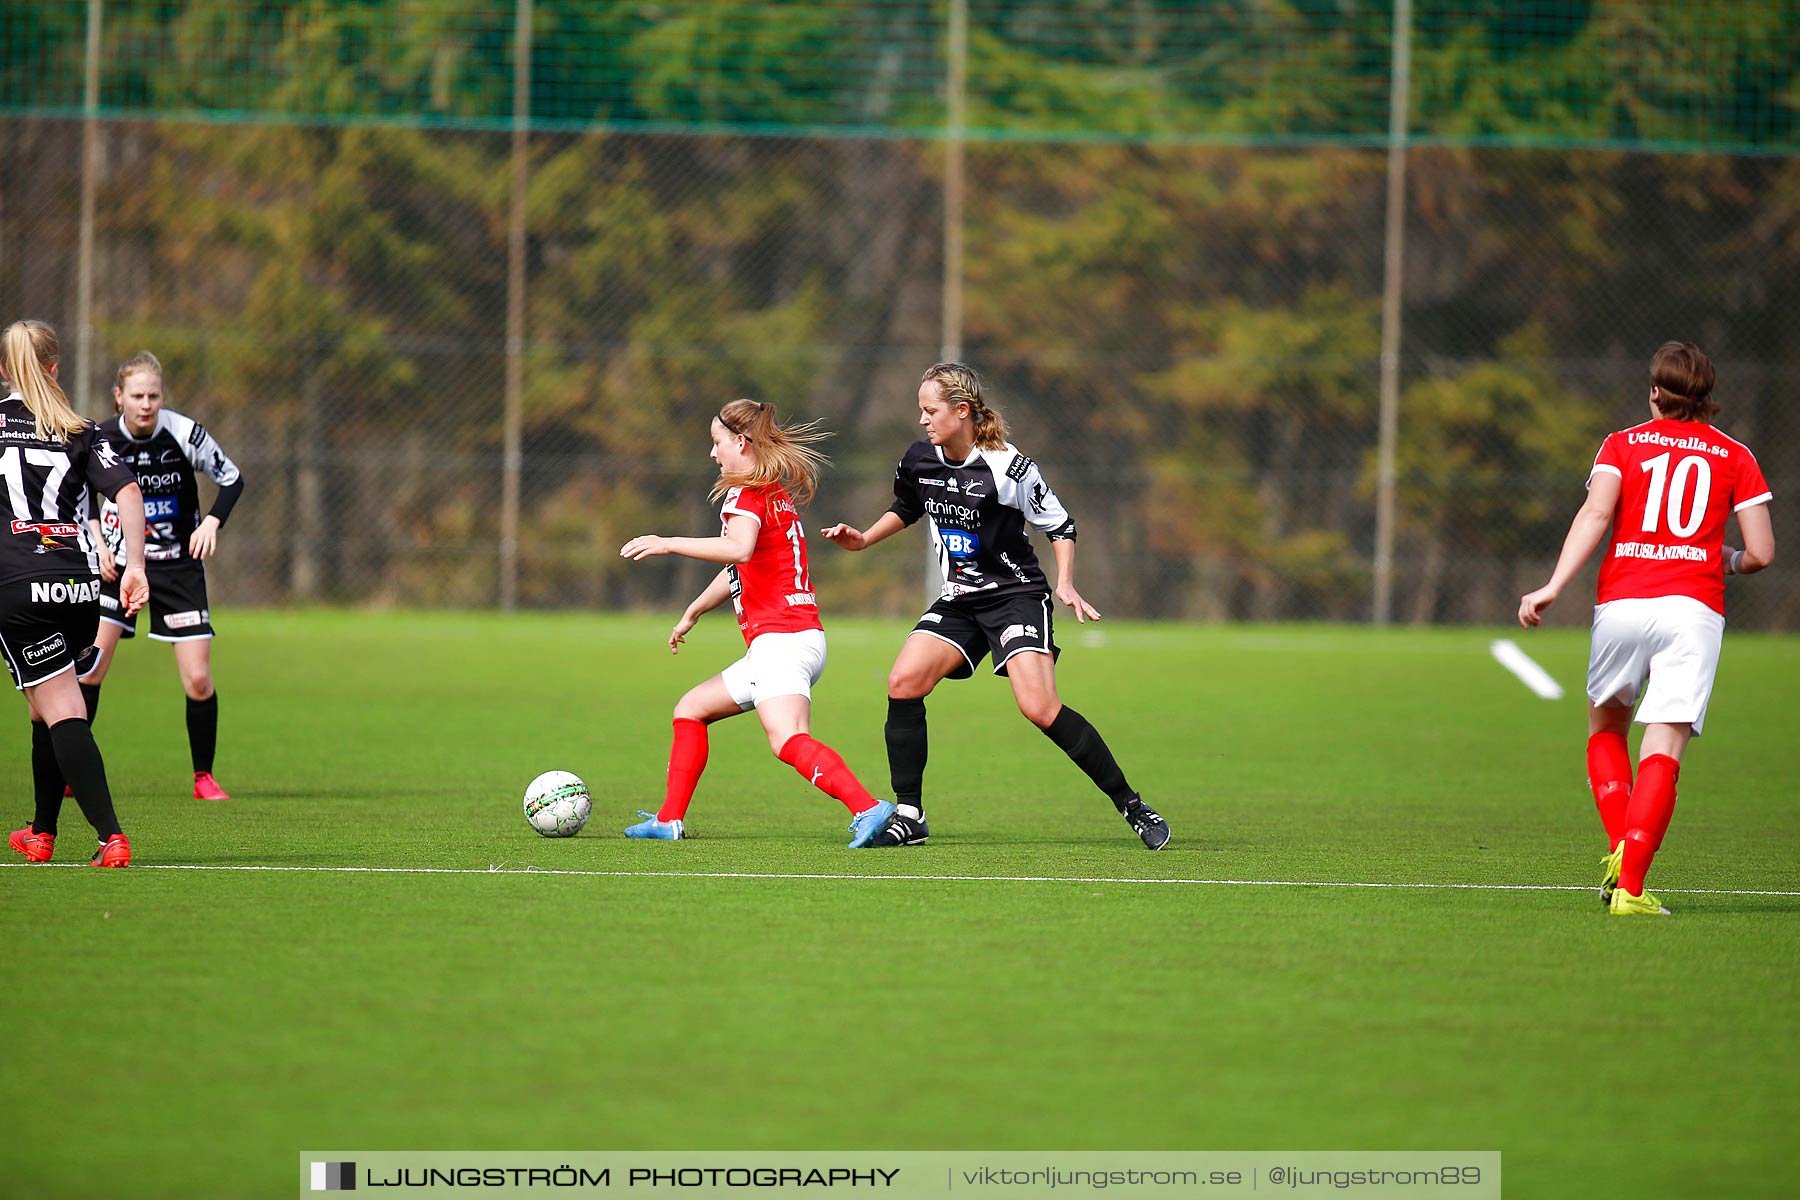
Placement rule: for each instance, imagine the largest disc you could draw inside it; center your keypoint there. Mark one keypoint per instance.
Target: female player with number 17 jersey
(1658, 495)
(763, 467)
(52, 463)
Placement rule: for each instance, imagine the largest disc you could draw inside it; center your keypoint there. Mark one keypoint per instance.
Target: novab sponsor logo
(188, 619)
(72, 592)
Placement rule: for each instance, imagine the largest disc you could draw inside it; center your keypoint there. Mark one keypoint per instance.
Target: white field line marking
(505, 870)
(1506, 652)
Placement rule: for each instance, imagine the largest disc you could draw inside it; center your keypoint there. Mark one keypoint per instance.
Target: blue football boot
(866, 824)
(650, 827)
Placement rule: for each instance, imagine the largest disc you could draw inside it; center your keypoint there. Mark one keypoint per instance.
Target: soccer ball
(557, 804)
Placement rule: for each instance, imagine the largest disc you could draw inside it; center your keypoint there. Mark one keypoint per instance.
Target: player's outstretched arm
(848, 537)
(734, 547)
(716, 593)
(1587, 531)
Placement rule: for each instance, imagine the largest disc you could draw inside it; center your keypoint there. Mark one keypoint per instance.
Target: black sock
(907, 745)
(79, 758)
(203, 731)
(47, 781)
(1078, 739)
(91, 693)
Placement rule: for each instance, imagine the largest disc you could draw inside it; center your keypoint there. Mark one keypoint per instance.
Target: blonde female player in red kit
(1658, 497)
(762, 468)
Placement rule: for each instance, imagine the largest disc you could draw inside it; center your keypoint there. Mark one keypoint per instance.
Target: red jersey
(773, 592)
(1679, 480)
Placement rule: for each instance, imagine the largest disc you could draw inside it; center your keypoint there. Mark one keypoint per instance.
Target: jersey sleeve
(744, 502)
(203, 453)
(1751, 488)
(106, 472)
(1039, 504)
(907, 505)
(1611, 458)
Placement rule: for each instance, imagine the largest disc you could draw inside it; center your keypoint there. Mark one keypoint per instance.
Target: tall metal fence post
(1391, 295)
(956, 58)
(956, 114)
(90, 168)
(512, 455)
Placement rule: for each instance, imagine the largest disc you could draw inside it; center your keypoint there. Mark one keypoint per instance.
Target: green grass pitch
(1022, 982)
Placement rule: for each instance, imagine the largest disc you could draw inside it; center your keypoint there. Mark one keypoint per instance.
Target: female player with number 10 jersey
(1658, 496)
(763, 469)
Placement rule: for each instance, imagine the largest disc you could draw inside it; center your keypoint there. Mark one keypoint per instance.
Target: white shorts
(776, 664)
(1671, 641)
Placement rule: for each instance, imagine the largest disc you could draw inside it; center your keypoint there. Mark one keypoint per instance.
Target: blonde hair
(959, 384)
(143, 360)
(26, 356)
(779, 454)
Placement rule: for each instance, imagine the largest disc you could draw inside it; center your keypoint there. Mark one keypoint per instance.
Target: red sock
(820, 766)
(1652, 804)
(687, 758)
(1609, 778)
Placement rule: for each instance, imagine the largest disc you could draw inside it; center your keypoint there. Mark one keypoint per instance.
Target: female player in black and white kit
(50, 462)
(981, 497)
(169, 452)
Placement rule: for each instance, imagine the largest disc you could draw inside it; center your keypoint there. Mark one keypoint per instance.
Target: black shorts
(178, 611)
(1001, 625)
(46, 625)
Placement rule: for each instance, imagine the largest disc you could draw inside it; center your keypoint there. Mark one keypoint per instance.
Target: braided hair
(959, 384)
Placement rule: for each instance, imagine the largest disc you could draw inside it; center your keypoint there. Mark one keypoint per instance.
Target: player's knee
(197, 687)
(1040, 710)
(909, 685)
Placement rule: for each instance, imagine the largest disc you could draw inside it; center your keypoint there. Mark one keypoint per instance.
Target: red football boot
(115, 851)
(35, 846)
(207, 788)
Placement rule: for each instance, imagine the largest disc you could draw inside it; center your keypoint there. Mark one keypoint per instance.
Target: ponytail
(779, 454)
(27, 353)
(959, 384)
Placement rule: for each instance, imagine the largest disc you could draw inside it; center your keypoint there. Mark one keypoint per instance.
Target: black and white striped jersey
(44, 497)
(168, 464)
(981, 513)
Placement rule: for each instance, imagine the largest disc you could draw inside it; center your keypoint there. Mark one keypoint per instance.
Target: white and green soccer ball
(557, 804)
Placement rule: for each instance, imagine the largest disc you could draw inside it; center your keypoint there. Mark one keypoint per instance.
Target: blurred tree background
(1172, 230)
